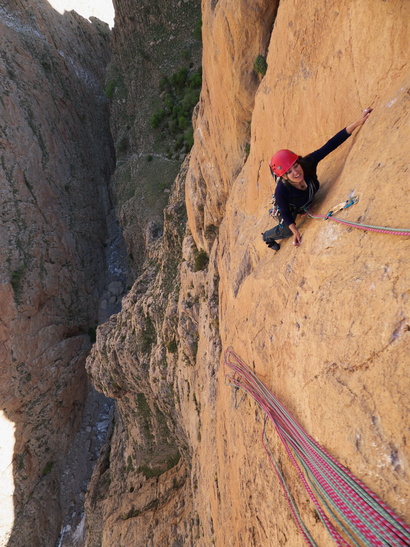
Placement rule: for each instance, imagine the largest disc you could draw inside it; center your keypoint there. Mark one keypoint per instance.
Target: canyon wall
(56, 160)
(153, 41)
(325, 325)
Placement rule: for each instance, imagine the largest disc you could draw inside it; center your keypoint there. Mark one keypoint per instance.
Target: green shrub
(17, 282)
(112, 86)
(198, 30)
(157, 118)
(189, 138)
(260, 65)
(148, 335)
(168, 101)
(173, 126)
(173, 461)
(201, 260)
(180, 95)
(178, 80)
(109, 90)
(172, 346)
(183, 123)
(195, 80)
(150, 472)
(47, 468)
(190, 99)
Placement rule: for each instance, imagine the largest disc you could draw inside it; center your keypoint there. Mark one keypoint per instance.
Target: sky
(102, 9)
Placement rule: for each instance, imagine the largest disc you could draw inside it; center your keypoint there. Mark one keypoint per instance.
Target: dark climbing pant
(281, 231)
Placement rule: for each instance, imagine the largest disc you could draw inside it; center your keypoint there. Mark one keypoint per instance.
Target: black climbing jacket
(290, 199)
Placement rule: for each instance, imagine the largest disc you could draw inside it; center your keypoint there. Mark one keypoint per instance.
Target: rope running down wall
(358, 512)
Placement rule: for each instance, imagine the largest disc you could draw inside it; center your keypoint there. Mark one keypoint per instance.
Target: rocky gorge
(325, 326)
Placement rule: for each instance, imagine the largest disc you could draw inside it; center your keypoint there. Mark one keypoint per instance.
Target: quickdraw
(343, 205)
(368, 227)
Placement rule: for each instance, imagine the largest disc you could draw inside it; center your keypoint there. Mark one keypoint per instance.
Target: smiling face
(295, 174)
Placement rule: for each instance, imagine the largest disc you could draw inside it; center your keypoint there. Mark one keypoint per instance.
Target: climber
(297, 183)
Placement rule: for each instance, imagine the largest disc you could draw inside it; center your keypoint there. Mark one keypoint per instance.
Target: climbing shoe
(274, 245)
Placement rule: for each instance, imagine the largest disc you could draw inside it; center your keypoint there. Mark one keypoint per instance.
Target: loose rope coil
(360, 514)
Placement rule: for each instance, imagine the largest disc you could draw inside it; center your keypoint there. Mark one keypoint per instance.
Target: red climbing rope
(363, 517)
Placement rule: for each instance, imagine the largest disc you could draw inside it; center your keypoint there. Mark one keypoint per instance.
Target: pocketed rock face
(56, 159)
(324, 326)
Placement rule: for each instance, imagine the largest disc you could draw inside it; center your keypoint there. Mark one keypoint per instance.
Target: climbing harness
(348, 203)
(359, 514)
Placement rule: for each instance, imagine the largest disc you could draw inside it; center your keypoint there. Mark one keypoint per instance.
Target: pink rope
(348, 494)
(292, 509)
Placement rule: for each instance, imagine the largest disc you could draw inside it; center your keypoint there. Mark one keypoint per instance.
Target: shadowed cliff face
(325, 326)
(56, 160)
(153, 41)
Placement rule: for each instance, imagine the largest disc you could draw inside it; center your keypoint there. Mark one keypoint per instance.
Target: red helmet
(282, 161)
